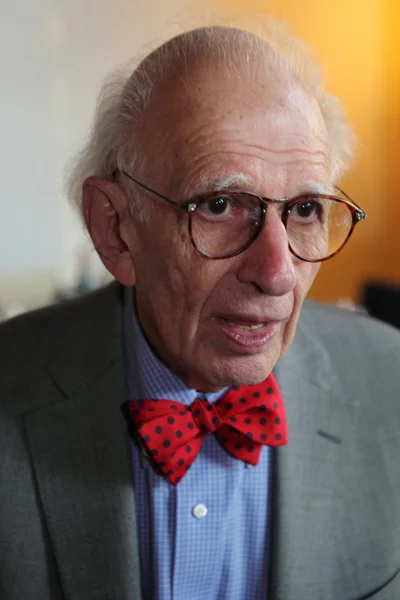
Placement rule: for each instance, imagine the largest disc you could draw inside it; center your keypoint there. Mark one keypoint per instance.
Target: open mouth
(248, 333)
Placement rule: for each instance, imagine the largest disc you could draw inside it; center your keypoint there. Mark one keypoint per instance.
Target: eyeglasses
(225, 223)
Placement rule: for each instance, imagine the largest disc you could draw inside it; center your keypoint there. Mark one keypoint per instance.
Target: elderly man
(246, 463)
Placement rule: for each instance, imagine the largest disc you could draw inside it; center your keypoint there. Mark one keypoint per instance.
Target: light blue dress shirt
(208, 537)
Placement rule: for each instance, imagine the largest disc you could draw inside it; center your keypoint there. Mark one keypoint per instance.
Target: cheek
(306, 273)
(173, 276)
(311, 275)
(160, 250)
(197, 280)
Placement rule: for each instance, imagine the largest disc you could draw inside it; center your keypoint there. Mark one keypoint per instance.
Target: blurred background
(54, 55)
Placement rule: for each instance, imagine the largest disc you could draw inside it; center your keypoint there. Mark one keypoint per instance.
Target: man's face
(225, 322)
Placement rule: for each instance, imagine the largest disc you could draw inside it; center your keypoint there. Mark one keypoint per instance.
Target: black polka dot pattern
(205, 415)
(257, 415)
(245, 419)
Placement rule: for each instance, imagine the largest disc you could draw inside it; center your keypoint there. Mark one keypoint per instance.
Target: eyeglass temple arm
(361, 212)
(189, 206)
(145, 187)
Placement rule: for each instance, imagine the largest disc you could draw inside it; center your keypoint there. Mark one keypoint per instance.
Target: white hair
(114, 142)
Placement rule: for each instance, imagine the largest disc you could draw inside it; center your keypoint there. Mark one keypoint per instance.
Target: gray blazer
(67, 506)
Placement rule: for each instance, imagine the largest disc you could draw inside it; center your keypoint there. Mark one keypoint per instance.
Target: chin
(235, 371)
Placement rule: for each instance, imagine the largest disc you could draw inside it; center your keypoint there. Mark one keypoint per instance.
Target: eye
(218, 206)
(222, 207)
(225, 207)
(309, 210)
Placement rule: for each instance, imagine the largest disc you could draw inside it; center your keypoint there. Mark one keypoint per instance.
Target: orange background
(358, 44)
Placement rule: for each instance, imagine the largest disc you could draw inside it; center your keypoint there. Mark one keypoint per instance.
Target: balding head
(195, 108)
(117, 138)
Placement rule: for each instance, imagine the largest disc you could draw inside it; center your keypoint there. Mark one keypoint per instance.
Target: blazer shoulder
(29, 340)
(360, 357)
(46, 322)
(333, 323)
(358, 346)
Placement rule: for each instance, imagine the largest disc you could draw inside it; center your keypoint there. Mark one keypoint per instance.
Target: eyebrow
(314, 187)
(215, 183)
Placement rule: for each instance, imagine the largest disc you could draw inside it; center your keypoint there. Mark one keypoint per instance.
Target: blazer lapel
(324, 540)
(80, 453)
(304, 514)
(305, 518)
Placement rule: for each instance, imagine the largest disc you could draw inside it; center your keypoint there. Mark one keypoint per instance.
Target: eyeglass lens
(225, 224)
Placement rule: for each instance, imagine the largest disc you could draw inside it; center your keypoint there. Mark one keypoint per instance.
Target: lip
(250, 341)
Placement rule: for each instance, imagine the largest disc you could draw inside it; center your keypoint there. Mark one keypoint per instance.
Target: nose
(268, 263)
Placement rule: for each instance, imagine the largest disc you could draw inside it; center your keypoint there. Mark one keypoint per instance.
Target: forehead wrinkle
(318, 158)
(201, 179)
(260, 149)
(271, 153)
(201, 137)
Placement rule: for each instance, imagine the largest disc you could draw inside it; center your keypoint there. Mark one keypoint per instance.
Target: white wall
(54, 55)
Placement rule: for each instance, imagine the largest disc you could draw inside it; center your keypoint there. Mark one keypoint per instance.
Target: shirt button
(199, 511)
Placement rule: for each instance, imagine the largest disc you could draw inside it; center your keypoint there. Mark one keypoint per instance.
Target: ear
(107, 217)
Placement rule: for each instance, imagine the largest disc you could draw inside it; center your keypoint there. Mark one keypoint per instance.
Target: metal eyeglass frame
(190, 207)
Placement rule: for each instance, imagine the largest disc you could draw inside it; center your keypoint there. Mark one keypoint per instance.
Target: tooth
(247, 327)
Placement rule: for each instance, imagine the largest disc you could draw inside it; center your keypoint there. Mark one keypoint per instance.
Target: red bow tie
(243, 420)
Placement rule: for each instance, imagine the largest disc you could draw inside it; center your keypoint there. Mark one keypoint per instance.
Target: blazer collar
(322, 546)
(80, 453)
